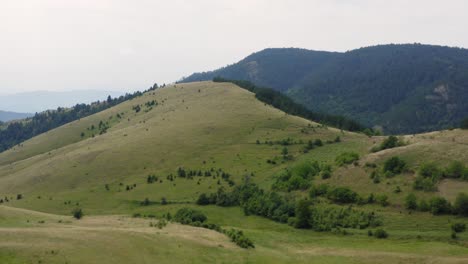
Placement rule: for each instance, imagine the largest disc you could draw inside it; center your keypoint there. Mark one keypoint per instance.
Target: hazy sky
(127, 45)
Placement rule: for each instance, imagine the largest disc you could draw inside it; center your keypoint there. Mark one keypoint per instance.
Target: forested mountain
(8, 116)
(402, 88)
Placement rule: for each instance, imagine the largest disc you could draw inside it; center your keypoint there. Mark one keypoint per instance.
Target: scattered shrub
(461, 204)
(439, 205)
(411, 202)
(458, 227)
(342, 195)
(394, 165)
(188, 216)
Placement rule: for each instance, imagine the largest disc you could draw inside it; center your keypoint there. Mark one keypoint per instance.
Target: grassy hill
(409, 88)
(210, 127)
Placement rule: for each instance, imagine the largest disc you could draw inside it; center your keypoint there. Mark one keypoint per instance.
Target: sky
(127, 45)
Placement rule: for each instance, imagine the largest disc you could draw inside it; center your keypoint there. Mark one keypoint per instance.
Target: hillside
(400, 88)
(8, 116)
(130, 166)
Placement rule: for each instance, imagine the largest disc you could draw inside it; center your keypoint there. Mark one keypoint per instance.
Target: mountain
(196, 172)
(8, 116)
(39, 101)
(406, 88)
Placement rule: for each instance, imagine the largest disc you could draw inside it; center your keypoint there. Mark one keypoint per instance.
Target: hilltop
(410, 88)
(133, 166)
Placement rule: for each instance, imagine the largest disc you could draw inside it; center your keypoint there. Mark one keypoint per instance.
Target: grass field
(200, 126)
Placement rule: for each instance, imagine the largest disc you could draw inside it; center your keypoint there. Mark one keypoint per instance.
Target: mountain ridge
(402, 88)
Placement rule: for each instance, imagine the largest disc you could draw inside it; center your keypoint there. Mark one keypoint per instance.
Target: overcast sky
(127, 45)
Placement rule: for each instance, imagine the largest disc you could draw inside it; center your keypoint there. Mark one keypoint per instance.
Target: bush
(458, 227)
(390, 142)
(203, 199)
(382, 199)
(318, 190)
(189, 216)
(411, 202)
(380, 233)
(302, 214)
(239, 238)
(439, 205)
(456, 169)
(346, 158)
(77, 213)
(461, 204)
(394, 165)
(423, 206)
(342, 195)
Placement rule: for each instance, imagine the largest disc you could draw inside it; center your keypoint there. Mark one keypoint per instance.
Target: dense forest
(400, 88)
(19, 131)
(283, 102)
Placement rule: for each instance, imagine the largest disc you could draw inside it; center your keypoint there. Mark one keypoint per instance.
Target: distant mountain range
(405, 88)
(8, 116)
(32, 102)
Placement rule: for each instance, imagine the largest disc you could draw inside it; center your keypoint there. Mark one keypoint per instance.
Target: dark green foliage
(382, 199)
(346, 158)
(326, 219)
(19, 196)
(439, 205)
(394, 165)
(318, 190)
(405, 88)
(238, 237)
(429, 175)
(423, 206)
(77, 213)
(146, 202)
(458, 227)
(303, 214)
(17, 132)
(411, 202)
(342, 195)
(188, 216)
(284, 103)
(380, 233)
(203, 199)
(297, 177)
(461, 204)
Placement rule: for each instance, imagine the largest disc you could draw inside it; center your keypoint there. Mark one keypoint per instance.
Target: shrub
(382, 199)
(302, 214)
(342, 195)
(318, 143)
(346, 158)
(188, 216)
(77, 213)
(203, 199)
(461, 204)
(19, 197)
(458, 227)
(456, 169)
(423, 206)
(411, 202)
(390, 142)
(380, 233)
(394, 165)
(239, 238)
(439, 205)
(318, 190)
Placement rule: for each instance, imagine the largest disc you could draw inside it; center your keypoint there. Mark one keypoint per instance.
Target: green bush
(380, 233)
(411, 202)
(346, 158)
(342, 195)
(77, 213)
(458, 227)
(318, 190)
(439, 205)
(461, 204)
(238, 237)
(188, 216)
(394, 165)
(302, 214)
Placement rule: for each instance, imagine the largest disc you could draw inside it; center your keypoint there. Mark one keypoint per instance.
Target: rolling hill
(130, 166)
(408, 88)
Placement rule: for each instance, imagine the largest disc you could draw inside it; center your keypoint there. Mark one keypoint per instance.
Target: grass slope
(201, 126)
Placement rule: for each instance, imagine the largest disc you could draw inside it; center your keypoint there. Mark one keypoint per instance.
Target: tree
(284, 151)
(411, 202)
(380, 233)
(203, 199)
(461, 204)
(77, 213)
(303, 214)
